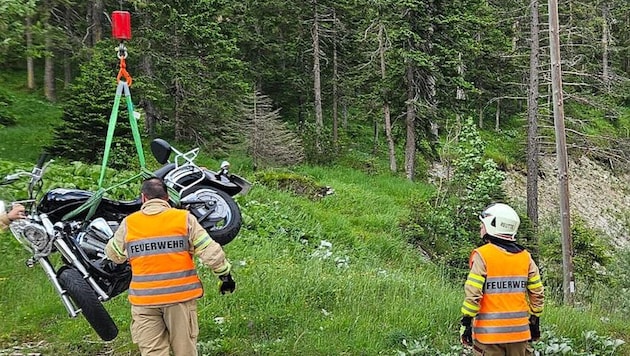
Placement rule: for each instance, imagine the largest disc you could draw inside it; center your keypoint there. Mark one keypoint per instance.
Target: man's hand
(226, 284)
(534, 327)
(465, 331)
(17, 212)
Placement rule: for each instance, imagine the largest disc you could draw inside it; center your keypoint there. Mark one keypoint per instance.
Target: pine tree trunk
(335, 88)
(96, 25)
(532, 117)
(30, 69)
(410, 146)
(605, 48)
(317, 85)
(49, 68)
(386, 109)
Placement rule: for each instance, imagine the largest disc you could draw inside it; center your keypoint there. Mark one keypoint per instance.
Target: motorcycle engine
(32, 236)
(94, 239)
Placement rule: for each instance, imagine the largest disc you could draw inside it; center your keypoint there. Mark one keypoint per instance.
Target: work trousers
(523, 348)
(158, 330)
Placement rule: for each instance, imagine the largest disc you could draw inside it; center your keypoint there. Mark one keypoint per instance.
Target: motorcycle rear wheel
(85, 298)
(223, 220)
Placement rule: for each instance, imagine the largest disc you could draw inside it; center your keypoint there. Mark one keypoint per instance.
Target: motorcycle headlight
(32, 236)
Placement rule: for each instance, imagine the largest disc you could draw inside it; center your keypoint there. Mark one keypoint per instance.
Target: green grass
(36, 119)
(330, 276)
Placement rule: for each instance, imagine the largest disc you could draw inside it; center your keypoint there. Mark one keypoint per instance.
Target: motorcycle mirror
(161, 150)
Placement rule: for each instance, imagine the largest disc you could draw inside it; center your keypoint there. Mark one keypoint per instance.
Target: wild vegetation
(331, 260)
(337, 111)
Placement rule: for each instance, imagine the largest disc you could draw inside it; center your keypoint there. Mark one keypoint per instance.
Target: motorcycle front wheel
(218, 214)
(85, 298)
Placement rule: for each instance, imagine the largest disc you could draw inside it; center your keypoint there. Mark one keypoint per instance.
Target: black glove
(534, 327)
(226, 284)
(465, 331)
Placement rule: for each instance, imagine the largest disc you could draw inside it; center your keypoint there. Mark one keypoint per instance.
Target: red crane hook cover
(121, 25)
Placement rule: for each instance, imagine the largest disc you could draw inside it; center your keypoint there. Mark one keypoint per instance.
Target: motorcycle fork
(65, 250)
(52, 276)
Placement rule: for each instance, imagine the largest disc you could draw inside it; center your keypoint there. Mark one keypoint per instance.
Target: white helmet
(501, 221)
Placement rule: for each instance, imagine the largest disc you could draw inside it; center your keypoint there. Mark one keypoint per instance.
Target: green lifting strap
(122, 86)
(93, 202)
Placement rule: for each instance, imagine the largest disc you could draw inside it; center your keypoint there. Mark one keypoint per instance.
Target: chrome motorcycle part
(216, 211)
(32, 236)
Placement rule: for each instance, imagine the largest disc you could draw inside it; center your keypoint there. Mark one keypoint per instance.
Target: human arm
(209, 251)
(16, 212)
(473, 289)
(535, 296)
(535, 289)
(115, 248)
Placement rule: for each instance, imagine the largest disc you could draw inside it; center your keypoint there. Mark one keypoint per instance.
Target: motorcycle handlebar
(42, 159)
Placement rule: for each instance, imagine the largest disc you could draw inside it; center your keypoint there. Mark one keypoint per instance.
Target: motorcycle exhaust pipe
(52, 276)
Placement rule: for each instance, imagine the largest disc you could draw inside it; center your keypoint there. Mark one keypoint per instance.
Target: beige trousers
(158, 330)
(523, 348)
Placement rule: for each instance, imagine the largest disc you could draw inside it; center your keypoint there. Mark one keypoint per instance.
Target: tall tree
(317, 84)
(532, 117)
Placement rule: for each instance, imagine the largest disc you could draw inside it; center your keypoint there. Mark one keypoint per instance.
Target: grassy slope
(363, 295)
(36, 119)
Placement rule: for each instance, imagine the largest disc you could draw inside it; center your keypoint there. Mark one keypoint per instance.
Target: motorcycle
(86, 277)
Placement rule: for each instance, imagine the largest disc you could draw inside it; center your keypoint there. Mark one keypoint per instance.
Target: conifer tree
(269, 141)
(86, 114)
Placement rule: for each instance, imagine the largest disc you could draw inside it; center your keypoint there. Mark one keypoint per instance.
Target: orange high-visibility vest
(162, 266)
(504, 313)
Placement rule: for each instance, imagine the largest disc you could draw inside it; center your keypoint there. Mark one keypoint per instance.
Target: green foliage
(87, 112)
(195, 68)
(75, 175)
(34, 120)
(12, 14)
(593, 344)
(446, 226)
(6, 117)
(591, 258)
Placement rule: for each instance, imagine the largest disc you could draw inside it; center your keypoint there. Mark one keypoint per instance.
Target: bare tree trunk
(179, 125)
(151, 112)
(497, 116)
(410, 146)
(605, 48)
(30, 69)
(67, 70)
(375, 126)
(97, 23)
(317, 85)
(568, 280)
(386, 109)
(344, 115)
(532, 117)
(335, 83)
(49, 67)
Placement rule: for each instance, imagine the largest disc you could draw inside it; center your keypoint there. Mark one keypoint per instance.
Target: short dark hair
(153, 188)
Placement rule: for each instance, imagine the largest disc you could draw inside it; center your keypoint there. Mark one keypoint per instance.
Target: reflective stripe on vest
(159, 254)
(504, 313)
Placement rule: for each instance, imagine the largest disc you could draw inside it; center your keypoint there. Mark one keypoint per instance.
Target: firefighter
(504, 291)
(17, 212)
(160, 242)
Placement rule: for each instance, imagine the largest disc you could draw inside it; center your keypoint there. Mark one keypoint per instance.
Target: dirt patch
(598, 196)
